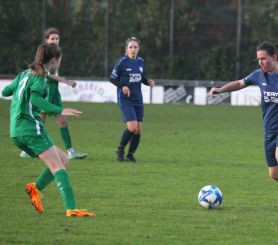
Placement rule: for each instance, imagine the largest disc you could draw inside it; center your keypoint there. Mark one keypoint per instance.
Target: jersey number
(22, 85)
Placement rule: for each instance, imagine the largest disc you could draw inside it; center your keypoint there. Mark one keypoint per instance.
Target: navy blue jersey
(268, 84)
(130, 73)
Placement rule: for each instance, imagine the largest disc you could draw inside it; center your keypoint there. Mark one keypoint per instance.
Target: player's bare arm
(63, 80)
(229, 87)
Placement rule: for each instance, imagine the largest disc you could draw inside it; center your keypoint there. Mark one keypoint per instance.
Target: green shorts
(33, 145)
(53, 95)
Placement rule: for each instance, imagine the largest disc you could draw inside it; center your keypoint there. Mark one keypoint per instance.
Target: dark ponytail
(45, 53)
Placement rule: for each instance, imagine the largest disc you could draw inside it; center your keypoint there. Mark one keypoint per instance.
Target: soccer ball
(210, 196)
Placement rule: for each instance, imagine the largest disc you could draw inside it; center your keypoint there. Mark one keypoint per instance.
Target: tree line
(93, 32)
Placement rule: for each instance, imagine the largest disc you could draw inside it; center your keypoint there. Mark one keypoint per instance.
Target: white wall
(102, 92)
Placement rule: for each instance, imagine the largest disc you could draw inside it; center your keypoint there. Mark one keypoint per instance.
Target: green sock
(45, 178)
(66, 137)
(63, 183)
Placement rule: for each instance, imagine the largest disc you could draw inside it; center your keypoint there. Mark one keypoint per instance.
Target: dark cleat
(130, 158)
(120, 154)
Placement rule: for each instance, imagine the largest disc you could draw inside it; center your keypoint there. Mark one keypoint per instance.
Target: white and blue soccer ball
(210, 196)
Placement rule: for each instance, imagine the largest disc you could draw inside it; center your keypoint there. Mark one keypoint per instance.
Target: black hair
(269, 47)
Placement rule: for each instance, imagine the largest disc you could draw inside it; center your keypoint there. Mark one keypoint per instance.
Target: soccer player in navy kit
(128, 74)
(266, 77)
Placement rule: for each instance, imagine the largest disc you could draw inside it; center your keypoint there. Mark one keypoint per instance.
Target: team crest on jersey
(141, 69)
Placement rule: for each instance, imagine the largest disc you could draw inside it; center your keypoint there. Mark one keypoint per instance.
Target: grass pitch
(155, 201)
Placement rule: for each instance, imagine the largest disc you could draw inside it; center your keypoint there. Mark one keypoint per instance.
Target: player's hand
(71, 83)
(214, 91)
(126, 91)
(71, 112)
(151, 83)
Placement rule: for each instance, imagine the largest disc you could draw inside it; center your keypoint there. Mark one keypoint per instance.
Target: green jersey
(28, 90)
(53, 93)
(52, 81)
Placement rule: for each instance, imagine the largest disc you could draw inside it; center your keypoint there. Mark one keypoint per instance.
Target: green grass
(155, 201)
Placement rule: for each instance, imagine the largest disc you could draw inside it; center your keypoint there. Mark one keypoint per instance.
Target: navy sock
(127, 135)
(134, 143)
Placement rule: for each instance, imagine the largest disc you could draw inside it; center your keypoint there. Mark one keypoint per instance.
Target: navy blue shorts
(132, 112)
(270, 144)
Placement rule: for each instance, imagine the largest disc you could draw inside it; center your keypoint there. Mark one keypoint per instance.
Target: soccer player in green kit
(52, 35)
(27, 129)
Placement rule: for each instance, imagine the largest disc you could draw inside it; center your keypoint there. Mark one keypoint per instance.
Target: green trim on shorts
(33, 145)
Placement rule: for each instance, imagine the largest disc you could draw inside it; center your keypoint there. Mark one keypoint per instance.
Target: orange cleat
(35, 196)
(79, 213)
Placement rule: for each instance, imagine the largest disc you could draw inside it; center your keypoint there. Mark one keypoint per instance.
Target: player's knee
(63, 124)
(64, 158)
(273, 175)
(132, 129)
(137, 131)
(65, 161)
(61, 121)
